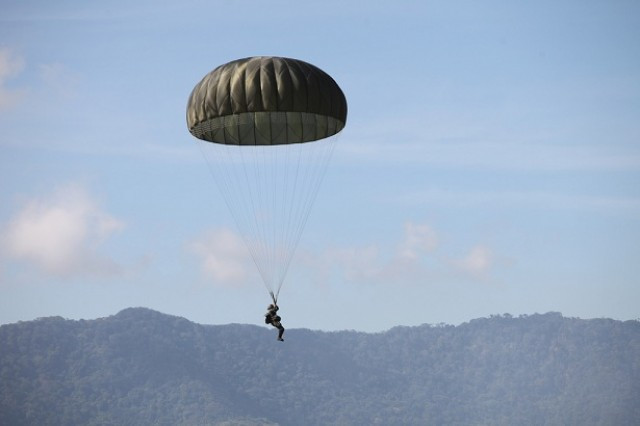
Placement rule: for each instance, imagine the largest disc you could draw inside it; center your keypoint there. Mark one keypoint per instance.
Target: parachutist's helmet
(271, 306)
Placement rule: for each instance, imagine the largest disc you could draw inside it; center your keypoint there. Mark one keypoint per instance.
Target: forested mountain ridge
(141, 367)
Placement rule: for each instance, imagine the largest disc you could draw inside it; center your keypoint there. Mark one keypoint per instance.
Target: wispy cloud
(61, 234)
(75, 13)
(489, 155)
(521, 199)
(10, 66)
(478, 262)
(225, 261)
(223, 257)
(418, 239)
(418, 256)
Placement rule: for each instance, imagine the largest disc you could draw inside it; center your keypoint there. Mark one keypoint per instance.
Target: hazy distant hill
(142, 367)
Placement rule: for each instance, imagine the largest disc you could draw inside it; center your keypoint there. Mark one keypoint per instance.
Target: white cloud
(357, 263)
(418, 240)
(223, 256)
(458, 144)
(520, 199)
(478, 262)
(418, 257)
(225, 260)
(61, 234)
(10, 66)
(371, 263)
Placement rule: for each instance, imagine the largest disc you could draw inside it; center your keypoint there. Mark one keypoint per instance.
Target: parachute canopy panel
(266, 100)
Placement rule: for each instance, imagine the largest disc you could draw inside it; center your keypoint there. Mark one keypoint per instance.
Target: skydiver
(271, 317)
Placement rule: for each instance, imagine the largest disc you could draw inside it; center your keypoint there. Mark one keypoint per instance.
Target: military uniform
(271, 317)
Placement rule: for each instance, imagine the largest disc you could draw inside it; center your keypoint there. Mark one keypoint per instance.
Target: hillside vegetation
(141, 367)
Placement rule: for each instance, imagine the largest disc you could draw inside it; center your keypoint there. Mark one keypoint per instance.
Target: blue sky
(490, 163)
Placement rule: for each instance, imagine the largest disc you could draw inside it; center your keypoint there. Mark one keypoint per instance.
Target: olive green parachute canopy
(266, 100)
(258, 111)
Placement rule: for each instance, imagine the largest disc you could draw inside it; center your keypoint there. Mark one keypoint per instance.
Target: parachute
(267, 127)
